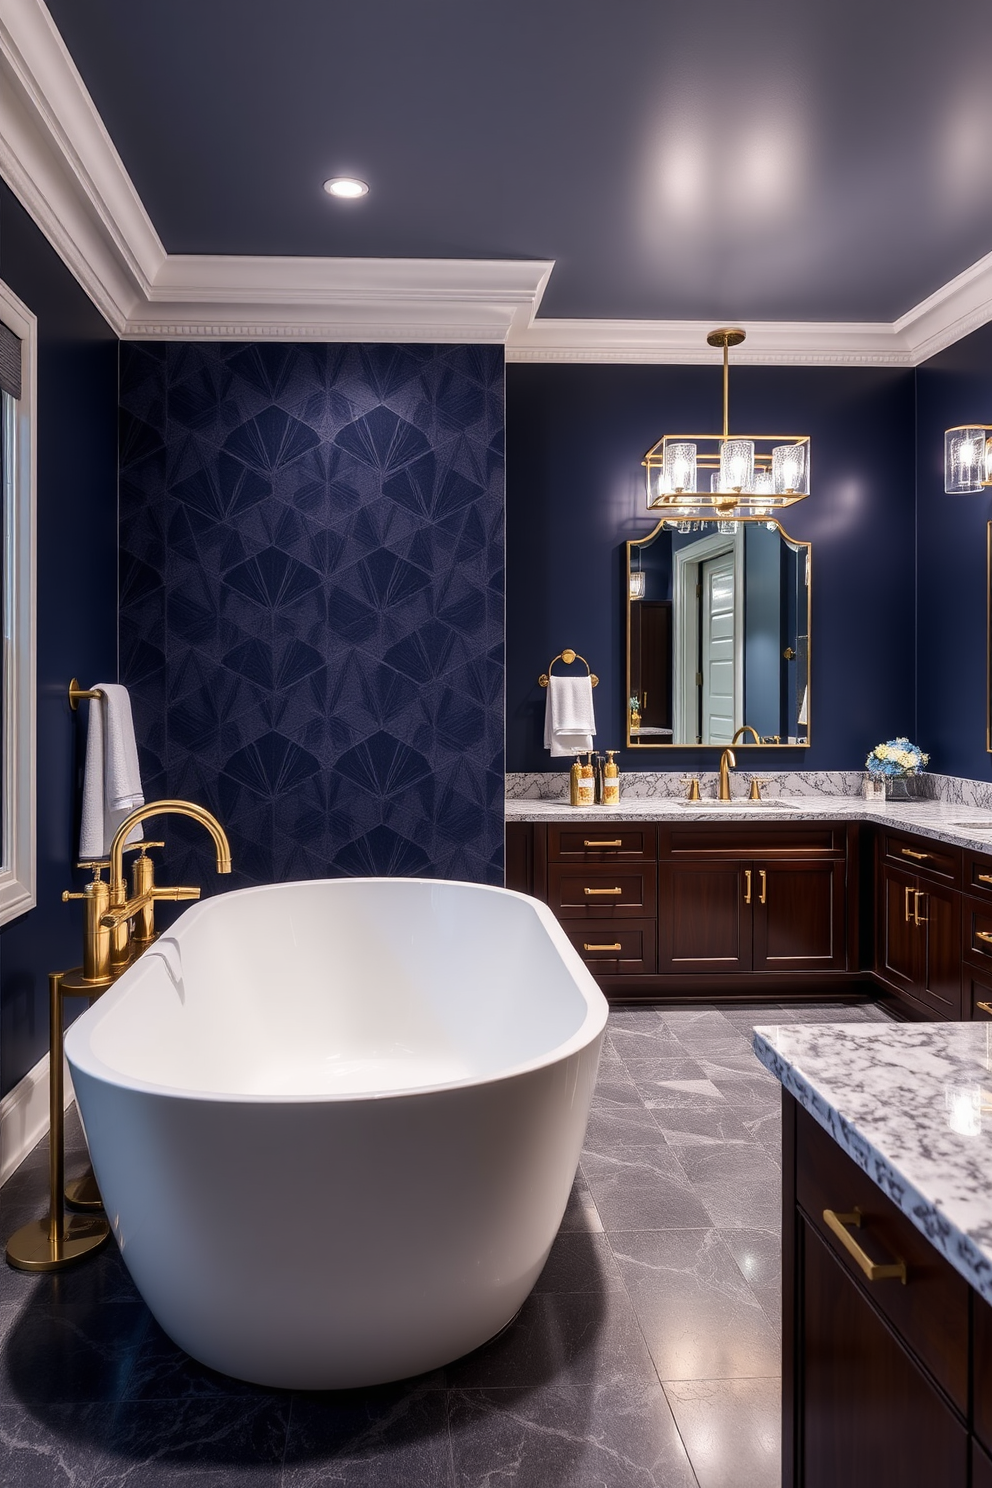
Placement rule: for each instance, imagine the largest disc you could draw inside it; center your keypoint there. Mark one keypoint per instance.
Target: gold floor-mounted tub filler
(116, 929)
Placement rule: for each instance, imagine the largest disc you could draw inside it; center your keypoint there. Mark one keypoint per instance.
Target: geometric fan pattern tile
(311, 603)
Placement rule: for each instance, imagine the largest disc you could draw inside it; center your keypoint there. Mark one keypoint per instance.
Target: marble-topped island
(905, 1101)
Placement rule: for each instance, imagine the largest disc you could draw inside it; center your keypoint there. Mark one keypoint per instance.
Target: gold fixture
(908, 852)
(967, 459)
(746, 728)
(754, 794)
(747, 475)
(985, 878)
(567, 656)
(693, 790)
(983, 935)
(986, 1007)
(918, 919)
(747, 886)
(616, 946)
(602, 891)
(839, 1224)
(727, 757)
(78, 694)
(614, 842)
(908, 894)
(58, 1240)
(763, 892)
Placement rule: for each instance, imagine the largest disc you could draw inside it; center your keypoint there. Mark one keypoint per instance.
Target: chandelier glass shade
(967, 459)
(722, 475)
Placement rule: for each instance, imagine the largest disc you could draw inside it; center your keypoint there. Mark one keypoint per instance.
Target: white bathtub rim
(80, 1055)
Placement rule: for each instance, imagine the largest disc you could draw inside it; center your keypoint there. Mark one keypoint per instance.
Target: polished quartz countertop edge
(887, 1094)
(939, 820)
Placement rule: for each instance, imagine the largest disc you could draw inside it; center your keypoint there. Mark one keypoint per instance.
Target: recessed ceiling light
(346, 187)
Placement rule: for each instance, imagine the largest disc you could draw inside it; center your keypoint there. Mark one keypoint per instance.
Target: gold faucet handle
(141, 847)
(97, 865)
(693, 793)
(173, 892)
(755, 792)
(115, 917)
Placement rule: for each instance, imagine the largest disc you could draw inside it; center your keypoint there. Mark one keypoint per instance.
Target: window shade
(10, 362)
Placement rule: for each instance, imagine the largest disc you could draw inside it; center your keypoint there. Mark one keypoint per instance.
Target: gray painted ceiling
(778, 159)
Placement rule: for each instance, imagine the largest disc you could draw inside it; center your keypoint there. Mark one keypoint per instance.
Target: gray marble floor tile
(644, 1072)
(63, 1448)
(614, 1083)
(741, 1186)
(742, 1090)
(561, 1338)
(731, 1430)
(715, 1127)
(394, 1437)
(580, 1262)
(699, 1317)
(619, 1124)
(595, 1436)
(758, 1253)
(650, 1041)
(692, 1093)
(633, 1017)
(70, 1353)
(163, 1371)
(640, 1189)
(763, 1124)
(581, 1212)
(742, 1065)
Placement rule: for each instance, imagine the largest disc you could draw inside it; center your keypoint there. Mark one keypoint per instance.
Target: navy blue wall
(312, 602)
(77, 605)
(953, 388)
(575, 437)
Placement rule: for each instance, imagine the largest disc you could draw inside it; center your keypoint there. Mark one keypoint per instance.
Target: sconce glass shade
(790, 470)
(967, 459)
(637, 584)
(736, 465)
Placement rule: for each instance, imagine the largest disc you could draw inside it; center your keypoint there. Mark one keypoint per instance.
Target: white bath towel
(111, 778)
(569, 719)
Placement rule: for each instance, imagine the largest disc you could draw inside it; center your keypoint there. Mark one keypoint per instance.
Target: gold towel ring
(568, 656)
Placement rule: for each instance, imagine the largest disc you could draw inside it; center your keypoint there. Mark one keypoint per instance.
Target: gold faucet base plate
(82, 1193)
(32, 1248)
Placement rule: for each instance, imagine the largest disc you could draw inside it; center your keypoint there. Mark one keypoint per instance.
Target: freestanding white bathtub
(335, 1123)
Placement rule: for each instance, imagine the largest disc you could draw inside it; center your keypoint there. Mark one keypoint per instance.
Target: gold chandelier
(700, 476)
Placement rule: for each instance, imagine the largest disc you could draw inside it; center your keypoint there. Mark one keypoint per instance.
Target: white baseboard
(24, 1116)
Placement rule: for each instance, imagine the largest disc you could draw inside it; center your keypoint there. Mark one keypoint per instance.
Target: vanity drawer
(617, 950)
(978, 876)
(597, 893)
(934, 859)
(930, 1312)
(753, 839)
(978, 996)
(976, 925)
(592, 842)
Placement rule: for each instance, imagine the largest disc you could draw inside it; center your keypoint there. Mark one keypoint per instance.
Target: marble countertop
(962, 826)
(905, 1102)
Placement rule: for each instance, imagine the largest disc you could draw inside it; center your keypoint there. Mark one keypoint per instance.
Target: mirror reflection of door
(719, 698)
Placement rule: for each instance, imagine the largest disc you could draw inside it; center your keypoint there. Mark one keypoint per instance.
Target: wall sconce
(967, 459)
(745, 476)
(637, 584)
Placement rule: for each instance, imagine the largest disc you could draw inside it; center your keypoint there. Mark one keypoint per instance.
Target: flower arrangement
(895, 758)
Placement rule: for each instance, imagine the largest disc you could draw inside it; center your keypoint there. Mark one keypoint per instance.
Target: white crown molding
(59, 160)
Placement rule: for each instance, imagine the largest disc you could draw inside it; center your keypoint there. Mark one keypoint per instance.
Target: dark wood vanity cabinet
(919, 912)
(883, 1382)
(698, 908)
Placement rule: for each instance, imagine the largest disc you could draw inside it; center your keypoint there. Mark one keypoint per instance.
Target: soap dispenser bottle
(597, 777)
(611, 780)
(574, 781)
(587, 783)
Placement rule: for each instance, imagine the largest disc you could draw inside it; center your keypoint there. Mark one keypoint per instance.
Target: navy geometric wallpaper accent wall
(311, 602)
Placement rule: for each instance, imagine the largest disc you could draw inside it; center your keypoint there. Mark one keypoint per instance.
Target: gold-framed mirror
(718, 632)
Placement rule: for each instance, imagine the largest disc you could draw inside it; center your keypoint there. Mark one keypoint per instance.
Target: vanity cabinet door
(799, 915)
(871, 1418)
(898, 956)
(939, 911)
(704, 916)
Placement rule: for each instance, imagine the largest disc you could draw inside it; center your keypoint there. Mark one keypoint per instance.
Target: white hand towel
(569, 719)
(111, 778)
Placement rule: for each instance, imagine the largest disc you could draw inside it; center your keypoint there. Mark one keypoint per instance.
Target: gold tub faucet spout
(727, 758)
(122, 910)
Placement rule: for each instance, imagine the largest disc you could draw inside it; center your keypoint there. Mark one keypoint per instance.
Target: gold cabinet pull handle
(908, 852)
(590, 842)
(763, 895)
(986, 1007)
(838, 1223)
(983, 935)
(918, 919)
(908, 913)
(747, 886)
(985, 878)
(616, 946)
(602, 891)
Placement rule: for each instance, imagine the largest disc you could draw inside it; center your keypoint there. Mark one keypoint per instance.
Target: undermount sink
(745, 802)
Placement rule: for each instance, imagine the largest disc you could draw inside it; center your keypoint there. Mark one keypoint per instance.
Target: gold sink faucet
(727, 758)
(126, 943)
(746, 728)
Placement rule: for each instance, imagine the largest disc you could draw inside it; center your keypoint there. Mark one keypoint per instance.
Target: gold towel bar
(77, 693)
(567, 656)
